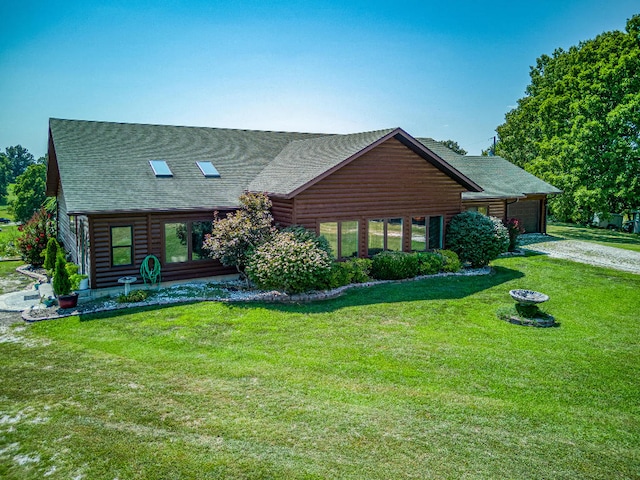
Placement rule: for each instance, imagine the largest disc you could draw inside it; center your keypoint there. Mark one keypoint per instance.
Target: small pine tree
(61, 282)
(51, 254)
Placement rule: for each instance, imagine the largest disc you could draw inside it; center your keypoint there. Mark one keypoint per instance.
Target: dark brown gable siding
(390, 181)
(148, 236)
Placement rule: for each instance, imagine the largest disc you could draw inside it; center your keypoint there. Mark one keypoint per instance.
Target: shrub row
(399, 265)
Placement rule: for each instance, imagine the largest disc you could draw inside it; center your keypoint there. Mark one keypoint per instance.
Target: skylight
(208, 170)
(160, 168)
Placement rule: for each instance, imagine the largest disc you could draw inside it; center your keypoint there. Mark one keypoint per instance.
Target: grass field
(408, 380)
(628, 241)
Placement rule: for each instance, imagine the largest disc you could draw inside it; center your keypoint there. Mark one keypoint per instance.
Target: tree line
(28, 176)
(578, 125)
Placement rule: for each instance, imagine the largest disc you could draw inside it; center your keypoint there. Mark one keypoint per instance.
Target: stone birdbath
(127, 283)
(527, 302)
(528, 297)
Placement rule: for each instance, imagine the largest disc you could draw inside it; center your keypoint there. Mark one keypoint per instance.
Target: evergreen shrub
(61, 282)
(394, 265)
(450, 261)
(476, 238)
(429, 263)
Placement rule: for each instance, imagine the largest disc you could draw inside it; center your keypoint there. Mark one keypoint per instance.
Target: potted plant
(62, 285)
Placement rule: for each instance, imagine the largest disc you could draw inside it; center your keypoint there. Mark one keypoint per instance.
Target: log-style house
(126, 191)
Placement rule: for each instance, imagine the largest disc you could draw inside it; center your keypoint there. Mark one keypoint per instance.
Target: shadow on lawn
(435, 288)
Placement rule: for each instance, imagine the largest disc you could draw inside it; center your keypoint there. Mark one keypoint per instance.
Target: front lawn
(407, 380)
(602, 236)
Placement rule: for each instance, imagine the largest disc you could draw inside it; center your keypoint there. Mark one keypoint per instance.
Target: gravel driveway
(583, 252)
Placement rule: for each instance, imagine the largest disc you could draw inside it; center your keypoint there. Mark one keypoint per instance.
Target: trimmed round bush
(394, 265)
(476, 238)
(450, 261)
(353, 270)
(429, 263)
(288, 264)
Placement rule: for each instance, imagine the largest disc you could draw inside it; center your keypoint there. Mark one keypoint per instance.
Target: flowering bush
(476, 238)
(515, 228)
(234, 237)
(34, 237)
(288, 264)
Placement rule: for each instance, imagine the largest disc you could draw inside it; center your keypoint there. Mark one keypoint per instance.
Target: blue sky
(447, 70)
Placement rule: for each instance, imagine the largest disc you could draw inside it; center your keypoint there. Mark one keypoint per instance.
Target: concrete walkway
(24, 299)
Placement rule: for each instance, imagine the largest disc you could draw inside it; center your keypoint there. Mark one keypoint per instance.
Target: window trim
(189, 231)
(385, 230)
(338, 254)
(130, 246)
(427, 219)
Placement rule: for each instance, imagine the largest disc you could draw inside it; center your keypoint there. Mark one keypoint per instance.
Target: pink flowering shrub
(289, 264)
(34, 237)
(234, 237)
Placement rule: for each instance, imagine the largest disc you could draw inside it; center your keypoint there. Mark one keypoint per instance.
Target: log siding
(148, 239)
(390, 181)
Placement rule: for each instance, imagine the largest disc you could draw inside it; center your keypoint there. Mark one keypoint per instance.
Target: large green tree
(19, 159)
(578, 125)
(29, 191)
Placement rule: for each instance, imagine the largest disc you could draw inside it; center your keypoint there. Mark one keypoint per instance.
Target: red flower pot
(68, 301)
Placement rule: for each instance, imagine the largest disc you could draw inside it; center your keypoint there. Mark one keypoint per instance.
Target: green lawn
(408, 380)
(628, 241)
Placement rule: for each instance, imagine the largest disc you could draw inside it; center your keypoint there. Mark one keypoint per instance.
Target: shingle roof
(303, 161)
(498, 177)
(104, 166)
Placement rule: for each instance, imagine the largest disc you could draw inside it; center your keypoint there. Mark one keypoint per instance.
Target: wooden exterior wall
(148, 239)
(495, 207)
(532, 210)
(389, 181)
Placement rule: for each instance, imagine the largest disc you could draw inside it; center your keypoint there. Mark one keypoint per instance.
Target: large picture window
(121, 246)
(183, 241)
(426, 233)
(342, 237)
(385, 234)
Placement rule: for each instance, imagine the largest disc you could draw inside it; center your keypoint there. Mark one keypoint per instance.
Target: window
(121, 246)
(329, 230)
(198, 231)
(348, 239)
(208, 170)
(160, 168)
(435, 232)
(426, 233)
(483, 209)
(385, 234)
(342, 237)
(183, 241)
(175, 242)
(419, 234)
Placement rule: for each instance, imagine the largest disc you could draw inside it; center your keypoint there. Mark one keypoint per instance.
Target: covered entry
(529, 212)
